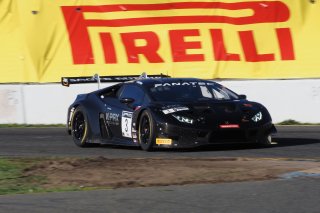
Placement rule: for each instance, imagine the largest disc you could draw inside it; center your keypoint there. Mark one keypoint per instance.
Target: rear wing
(67, 81)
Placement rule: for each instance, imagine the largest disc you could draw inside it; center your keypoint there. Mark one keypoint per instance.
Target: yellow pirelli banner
(43, 40)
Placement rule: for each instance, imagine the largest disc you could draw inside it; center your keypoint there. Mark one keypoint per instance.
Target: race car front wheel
(146, 129)
(79, 127)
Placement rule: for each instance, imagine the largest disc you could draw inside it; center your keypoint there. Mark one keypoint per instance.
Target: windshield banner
(42, 41)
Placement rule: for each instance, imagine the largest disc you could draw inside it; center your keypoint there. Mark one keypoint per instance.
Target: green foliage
(289, 122)
(12, 179)
(294, 122)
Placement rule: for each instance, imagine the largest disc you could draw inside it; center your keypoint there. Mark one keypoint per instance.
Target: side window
(132, 91)
(110, 92)
(205, 92)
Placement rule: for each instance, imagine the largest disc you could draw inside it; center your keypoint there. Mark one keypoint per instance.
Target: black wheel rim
(79, 126)
(145, 130)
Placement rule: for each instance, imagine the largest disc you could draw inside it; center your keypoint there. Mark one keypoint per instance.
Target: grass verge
(11, 177)
(31, 125)
(13, 180)
(26, 175)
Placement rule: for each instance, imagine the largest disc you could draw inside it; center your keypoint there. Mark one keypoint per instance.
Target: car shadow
(281, 142)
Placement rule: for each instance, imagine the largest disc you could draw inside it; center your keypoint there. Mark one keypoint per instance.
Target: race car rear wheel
(79, 127)
(146, 129)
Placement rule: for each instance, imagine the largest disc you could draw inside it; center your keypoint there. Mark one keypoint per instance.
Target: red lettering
(285, 43)
(78, 35)
(149, 50)
(219, 49)
(82, 52)
(179, 46)
(250, 49)
(261, 11)
(108, 48)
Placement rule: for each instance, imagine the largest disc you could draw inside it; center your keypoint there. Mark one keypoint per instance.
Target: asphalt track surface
(294, 195)
(293, 142)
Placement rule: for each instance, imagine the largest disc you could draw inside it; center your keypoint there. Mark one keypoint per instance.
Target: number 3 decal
(126, 122)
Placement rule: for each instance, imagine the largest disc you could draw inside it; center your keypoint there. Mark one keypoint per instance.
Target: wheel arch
(80, 127)
(70, 112)
(137, 116)
(146, 143)
(88, 115)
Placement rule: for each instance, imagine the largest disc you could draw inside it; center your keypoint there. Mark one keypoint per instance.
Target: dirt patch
(115, 173)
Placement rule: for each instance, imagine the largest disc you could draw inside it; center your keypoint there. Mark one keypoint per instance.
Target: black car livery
(166, 112)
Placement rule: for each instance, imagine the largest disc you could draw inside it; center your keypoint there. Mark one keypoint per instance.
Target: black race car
(165, 112)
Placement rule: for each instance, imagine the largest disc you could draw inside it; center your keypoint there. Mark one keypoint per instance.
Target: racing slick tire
(146, 131)
(266, 141)
(79, 127)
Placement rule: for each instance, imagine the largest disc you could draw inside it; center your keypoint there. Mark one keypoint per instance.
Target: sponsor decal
(239, 39)
(257, 117)
(126, 124)
(112, 118)
(174, 109)
(229, 126)
(261, 12)
(163, 141)
(185, 84)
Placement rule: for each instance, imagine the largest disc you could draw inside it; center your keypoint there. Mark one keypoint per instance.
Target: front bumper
(185, 137)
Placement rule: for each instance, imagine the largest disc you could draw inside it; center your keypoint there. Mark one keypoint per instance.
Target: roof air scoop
(143, 76)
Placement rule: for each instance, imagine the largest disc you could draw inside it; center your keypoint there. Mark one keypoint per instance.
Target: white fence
(48, 103)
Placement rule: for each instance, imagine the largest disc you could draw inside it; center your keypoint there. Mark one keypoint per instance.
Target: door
(119, 111)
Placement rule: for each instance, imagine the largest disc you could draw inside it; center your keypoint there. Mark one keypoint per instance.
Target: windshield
(190, 92)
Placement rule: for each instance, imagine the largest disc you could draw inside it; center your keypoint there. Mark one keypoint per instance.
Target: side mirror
(242, 97)
(126, 100)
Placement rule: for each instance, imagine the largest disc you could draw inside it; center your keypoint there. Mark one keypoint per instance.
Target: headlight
(183, 119)
(257, 117)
